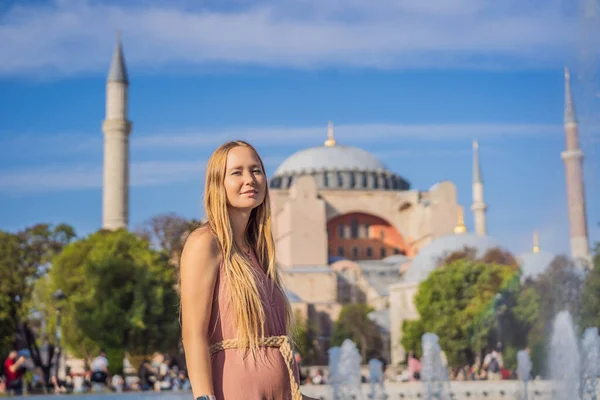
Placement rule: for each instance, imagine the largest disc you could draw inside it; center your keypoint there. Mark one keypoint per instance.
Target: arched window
(396, 251)
(355, 252)
(340, 251)
(382, 252)
(369, 252)
(354, 228)
(341, 231)
(366, 230)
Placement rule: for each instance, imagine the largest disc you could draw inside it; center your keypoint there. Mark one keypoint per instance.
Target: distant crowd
(160, 373)
(491, 368)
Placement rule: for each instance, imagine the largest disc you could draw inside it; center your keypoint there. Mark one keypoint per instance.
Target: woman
(414, 367)
(235, 316)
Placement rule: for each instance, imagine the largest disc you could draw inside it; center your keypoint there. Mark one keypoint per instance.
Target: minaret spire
(536, 242)
(116, 127)
(460, 225)
(330, 139)
(573, 159)
(118, 71)
(570, 117)
(478, 207)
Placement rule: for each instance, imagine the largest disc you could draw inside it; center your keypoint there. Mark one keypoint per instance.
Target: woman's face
(245, 181)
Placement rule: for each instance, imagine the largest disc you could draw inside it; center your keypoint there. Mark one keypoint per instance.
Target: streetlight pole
(498, 310)
(58, 296)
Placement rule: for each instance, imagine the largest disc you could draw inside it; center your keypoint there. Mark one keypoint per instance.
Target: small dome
(330, 158)
(534, 263)
(427, 259)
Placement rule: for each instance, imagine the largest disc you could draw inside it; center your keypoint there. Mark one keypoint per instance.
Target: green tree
(459, 303)
(11, 288)
(591, 294)
(304, 333)
(120, 295)
(411, 338)
(24, 257)
(353, 323)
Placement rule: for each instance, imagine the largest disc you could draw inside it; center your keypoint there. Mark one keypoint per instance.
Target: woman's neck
(239, 222)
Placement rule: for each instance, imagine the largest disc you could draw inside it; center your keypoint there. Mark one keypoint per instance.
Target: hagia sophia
(348, 229)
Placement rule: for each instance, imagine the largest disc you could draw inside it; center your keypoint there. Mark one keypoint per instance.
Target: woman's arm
(199, 268)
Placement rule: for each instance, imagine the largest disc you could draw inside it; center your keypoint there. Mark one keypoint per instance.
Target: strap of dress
(281, 342)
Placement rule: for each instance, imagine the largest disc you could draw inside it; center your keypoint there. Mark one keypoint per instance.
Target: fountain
(590, 348)
(344, 371)
(434, 375)
(376, 379)
(565, 364)
(524, 369)
(333, 375)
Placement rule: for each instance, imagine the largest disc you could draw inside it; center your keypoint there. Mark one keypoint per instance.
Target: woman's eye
(257, 171)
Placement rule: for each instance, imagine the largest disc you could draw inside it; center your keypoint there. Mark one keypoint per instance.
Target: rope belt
(281, 342)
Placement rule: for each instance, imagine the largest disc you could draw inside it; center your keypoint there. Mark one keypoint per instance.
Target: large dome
(427, 259)
(330, 158)
(338, 167)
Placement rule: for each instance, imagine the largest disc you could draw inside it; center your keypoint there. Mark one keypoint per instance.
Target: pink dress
(236, 378)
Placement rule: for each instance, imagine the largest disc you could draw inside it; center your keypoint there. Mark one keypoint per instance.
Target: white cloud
(354, 133)
(77, 36)
(36, 147)
(78, 176)
(51, 178)
(76, 171)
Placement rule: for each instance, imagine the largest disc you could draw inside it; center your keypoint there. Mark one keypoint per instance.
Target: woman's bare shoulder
(201, 246)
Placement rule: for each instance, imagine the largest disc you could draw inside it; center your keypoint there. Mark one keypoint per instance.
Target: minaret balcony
(116, 125)
(572, 154)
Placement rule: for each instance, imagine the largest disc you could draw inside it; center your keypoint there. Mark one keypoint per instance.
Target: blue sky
(413, 82)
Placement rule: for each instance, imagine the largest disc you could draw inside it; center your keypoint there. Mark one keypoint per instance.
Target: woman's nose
(249, 178)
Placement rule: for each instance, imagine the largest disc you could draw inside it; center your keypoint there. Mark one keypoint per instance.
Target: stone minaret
(478, 205)
(573, 158)
(116, 127)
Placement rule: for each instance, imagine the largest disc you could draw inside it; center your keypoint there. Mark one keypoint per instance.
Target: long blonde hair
(248, 309)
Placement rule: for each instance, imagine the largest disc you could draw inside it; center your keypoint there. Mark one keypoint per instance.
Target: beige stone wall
(301, 227)
(402, 307)
(444, 209)
(317, 287)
